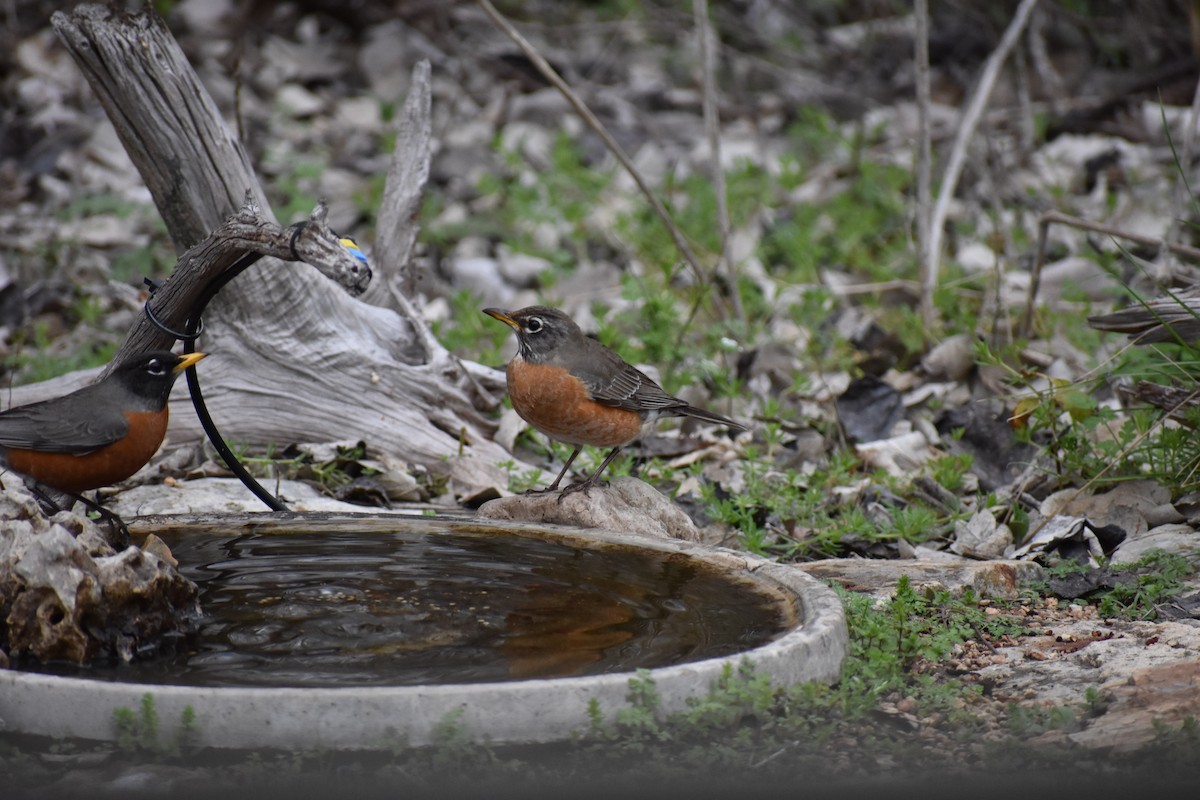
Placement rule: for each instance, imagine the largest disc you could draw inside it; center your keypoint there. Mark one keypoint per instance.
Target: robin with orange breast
(98, 435)
(574, 389)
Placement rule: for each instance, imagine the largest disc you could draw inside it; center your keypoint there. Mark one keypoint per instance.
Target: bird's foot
(118, 531)
(584, 486)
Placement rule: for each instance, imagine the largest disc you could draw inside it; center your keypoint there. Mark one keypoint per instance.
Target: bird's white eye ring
(155, 367)
(534, 325)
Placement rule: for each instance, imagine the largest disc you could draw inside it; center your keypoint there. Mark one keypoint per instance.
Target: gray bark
(294, 358)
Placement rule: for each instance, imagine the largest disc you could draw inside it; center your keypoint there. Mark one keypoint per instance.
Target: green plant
(453, 750)
(470, 333)
(33, 362)
(139, 731)
(1065, 421)
(519, 481)
(1132, 591)
(894, 643)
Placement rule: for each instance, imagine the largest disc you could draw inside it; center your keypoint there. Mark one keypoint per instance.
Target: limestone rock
(66, 595)
(625, 504)
(1176, 538)
(1151, 701)
(998, 578)
(981, 536)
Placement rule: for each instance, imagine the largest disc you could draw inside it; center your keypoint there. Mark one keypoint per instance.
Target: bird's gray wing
(53, 428)
(612, 382)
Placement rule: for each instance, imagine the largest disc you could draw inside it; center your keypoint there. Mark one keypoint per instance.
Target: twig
(925, 265)
(549, 73)
(966, 130)
(712, 126)
(1053, 217)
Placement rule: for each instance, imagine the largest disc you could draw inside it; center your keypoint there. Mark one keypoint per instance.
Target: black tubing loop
(192, 330)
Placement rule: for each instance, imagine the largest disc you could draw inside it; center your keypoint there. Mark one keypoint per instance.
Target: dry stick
(966, 130)
(712, 126)
(588, 117)
(1052, 217)
(925, 265)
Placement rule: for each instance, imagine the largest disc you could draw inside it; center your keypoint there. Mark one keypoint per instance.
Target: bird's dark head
(151, 375)
(540, 330)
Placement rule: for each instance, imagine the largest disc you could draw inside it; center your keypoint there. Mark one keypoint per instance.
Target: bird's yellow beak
(503, 316)
(188, 360)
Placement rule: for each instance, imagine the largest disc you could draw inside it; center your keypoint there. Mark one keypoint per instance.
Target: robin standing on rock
(574, 389)
(98, 435)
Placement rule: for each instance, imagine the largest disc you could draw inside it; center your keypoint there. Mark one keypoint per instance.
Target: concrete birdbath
(358, 631)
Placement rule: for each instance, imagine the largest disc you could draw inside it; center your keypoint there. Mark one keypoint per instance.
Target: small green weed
(520, 481)
(895, 647)
(1131, 591)
(33, 360)
(139, 731)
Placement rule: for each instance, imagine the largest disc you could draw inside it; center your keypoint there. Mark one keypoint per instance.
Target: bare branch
(966, 130)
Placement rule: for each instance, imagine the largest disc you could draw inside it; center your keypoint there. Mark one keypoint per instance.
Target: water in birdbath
(399, 608)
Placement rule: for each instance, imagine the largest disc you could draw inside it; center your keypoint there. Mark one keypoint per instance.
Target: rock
(981, 536)
(298, 101)
(521, 269)
(481, 275)
(898, 455)
(1177, 538)
(1152, 700)
(951, 360)
(1061, 665)
(627, 505)
(67, 596)
(986, 578)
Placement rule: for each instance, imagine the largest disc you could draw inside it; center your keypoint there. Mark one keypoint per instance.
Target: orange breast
(68, 472)
(558, 405)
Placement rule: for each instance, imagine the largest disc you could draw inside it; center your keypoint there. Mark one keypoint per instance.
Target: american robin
(574, 389)
(98, 435)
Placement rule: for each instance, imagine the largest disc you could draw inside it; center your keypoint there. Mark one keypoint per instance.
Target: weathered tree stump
(292, 360)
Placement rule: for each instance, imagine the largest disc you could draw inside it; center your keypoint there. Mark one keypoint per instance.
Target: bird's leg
(118, 530)
(49, 505)
(557, 480)
(586, 484)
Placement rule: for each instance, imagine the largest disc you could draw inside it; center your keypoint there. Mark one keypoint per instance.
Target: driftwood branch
(118, 53)
(174, 302)
(293, 360)
(396, 229)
